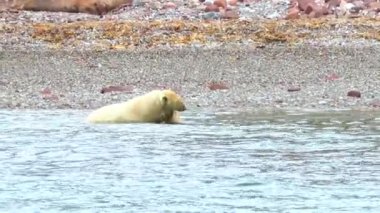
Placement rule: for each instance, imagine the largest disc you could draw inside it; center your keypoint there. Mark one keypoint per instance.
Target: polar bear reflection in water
(157, 106)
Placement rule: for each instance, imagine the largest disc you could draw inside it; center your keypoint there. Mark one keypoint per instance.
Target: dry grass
(125, 34)
(372, 34)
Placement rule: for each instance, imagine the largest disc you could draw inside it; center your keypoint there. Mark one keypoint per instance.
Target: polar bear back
(145, 108)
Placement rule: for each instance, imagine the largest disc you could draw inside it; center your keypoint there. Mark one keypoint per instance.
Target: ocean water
(216, 161)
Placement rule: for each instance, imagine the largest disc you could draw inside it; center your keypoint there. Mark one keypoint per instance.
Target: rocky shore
(59, 60)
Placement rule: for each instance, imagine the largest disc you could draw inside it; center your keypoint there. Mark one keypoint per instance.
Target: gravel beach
(229, 77)
(52, 60)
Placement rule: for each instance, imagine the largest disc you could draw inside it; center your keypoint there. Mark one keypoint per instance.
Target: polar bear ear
(165, 99)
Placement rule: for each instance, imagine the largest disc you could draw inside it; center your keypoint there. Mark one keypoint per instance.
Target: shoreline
(134, 35)
(271, 77)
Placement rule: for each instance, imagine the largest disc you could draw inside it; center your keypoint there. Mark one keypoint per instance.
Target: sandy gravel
(252, 77)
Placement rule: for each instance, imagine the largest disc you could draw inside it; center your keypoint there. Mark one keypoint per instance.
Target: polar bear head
(172, 101)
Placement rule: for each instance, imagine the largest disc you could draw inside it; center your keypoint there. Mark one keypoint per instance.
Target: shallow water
(53, 161)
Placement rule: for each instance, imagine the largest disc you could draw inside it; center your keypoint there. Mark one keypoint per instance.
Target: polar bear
(157, 106)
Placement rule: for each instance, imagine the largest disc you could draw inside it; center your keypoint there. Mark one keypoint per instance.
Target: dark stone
(294, 89)
(354, 93)
(116, 89)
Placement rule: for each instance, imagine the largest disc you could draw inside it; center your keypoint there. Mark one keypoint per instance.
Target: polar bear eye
(165, 99)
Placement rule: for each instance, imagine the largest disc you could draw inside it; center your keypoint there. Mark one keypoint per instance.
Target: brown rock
(217, 86)
(303, 4)
(221, 3)
(374, 6)
(229, 14)
(315, 11)
(48, 95)
(212, 8)
(232, 2)
(354, 93)
(309, 8)
(294, 89)
(169, 5)
(293, 13)
(318, 12)
(108, 89)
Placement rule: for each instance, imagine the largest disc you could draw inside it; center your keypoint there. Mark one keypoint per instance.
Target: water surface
(52, 161)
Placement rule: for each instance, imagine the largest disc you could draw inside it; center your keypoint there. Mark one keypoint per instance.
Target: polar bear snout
(179, 106)
(182, 108)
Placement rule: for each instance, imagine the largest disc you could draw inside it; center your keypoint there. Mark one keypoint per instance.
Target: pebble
(111, 89)
(212, 8)
(221, 3)
(170, 5)
(217, 86)
(294, 89)
(354, 93)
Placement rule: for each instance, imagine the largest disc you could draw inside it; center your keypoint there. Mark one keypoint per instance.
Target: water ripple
(214, 162)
